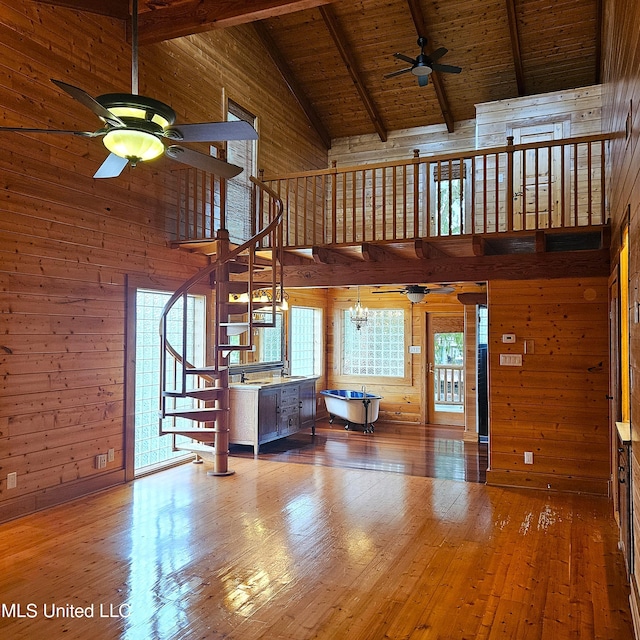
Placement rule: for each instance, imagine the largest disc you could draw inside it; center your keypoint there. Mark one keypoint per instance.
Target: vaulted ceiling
(334, 55)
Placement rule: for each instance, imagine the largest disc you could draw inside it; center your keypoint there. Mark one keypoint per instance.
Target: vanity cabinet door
(307, 404)
(289, 409)
(268, 414)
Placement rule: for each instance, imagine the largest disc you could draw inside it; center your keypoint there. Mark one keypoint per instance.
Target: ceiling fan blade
(84, 134)
(398, 73)
(445, 68)
(401, 56)
(202, 161)
(391, 291)
(112, 167)
(440, 290)
(84, 98)
(423, 81)
(438, 53)
(212, 131)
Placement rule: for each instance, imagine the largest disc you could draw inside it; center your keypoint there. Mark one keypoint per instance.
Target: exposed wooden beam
(514, 35)
(599, 36)
(479, 246)
(427, 250)
(566, 264)
(322, 255)
(349, 60)
(112, 8)
(421, 29)
(376, 252)
(203, 15)
(291, 81)
(472, 298)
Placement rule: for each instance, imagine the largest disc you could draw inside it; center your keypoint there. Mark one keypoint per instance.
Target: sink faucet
(243, 377)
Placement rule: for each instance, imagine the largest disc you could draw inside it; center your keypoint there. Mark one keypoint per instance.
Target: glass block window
(377, 349)
(270, 347)
(152, 449)
(306, 341)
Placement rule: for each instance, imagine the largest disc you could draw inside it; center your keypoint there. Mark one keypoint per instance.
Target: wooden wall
(68, 242)
(580, 111)
(554, 405)
(621, 76)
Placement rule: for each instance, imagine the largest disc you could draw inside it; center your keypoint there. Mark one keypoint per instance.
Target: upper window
(378, 348)
(448, 198)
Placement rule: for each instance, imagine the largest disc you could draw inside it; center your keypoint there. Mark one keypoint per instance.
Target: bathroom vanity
(262, 411)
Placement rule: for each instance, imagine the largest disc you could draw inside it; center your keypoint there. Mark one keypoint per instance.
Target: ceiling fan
(134, 128)
(417, 292)
(423, 65)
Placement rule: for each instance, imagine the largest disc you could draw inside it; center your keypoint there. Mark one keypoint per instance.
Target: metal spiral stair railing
(194, 400)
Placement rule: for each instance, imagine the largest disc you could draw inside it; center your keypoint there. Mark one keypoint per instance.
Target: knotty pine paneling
(68, 242)
(621, 99)
(555, 404)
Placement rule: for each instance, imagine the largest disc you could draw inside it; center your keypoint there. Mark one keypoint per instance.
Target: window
(378, 348)
(270, 342)
(243, 154)
(305, 341)
(152, 449)
(448, 198)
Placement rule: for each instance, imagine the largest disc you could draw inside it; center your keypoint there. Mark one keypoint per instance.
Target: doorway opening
(445, 372)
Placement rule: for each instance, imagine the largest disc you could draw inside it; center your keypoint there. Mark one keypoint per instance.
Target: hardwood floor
(283, 551)
(417, 450)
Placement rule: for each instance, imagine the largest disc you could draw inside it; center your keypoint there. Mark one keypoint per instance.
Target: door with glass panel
(445, 369)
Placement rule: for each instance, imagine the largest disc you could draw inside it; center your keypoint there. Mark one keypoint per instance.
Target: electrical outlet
(528, 457)
(12, 480)
(101, 461)
(111, 455)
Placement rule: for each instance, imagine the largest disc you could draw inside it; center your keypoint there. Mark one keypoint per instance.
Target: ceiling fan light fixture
(136, 107)
(134, 144)
(415, 296)
(421, 69)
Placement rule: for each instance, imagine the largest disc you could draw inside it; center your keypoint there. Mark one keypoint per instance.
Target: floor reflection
(416, 450)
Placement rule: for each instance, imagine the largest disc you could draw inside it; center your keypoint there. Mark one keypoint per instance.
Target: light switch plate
(510, 359)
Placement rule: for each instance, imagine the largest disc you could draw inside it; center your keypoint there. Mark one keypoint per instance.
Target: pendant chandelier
(359, 314)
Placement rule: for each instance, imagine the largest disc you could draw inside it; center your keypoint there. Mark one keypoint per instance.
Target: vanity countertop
(270, 382)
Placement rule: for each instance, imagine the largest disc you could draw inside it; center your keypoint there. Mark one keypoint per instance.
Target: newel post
(334, 202)
(509, 188)
(222, 155)
(416, 193)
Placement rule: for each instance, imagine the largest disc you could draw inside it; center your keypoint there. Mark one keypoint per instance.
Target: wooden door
(537, 180)
(445, 369)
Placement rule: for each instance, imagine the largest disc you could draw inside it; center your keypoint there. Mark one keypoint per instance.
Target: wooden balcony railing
(556, 184)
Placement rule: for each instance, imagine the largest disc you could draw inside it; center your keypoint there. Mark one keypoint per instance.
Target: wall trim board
(548, 482)
(50, 497)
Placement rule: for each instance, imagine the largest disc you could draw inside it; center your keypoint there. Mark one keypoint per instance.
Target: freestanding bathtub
(356, 407)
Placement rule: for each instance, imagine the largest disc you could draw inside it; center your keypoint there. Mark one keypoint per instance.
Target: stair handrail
(165, 346)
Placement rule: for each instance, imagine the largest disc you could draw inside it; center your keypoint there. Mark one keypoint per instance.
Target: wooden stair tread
(206, 371)
(205, 414)
(206, 393)
(203, 450)
(188, 431)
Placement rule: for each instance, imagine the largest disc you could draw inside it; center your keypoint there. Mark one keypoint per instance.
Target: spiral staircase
(194, 400)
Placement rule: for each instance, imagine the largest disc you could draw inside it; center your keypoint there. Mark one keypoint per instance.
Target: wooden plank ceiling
(334, 55)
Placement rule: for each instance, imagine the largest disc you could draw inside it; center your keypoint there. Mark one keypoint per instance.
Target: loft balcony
(532, 204)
